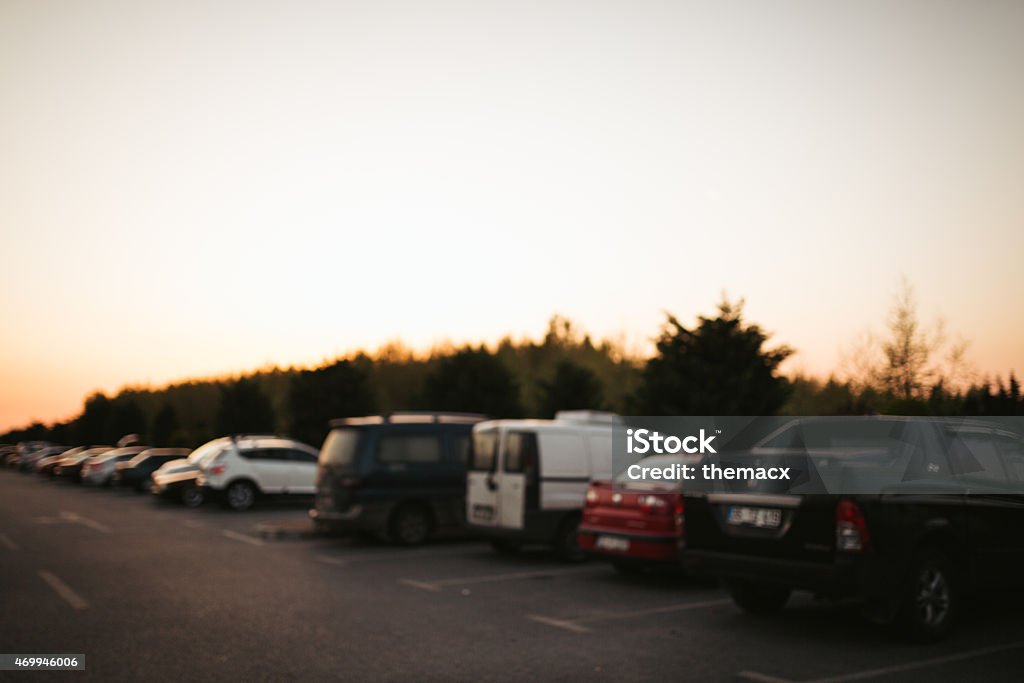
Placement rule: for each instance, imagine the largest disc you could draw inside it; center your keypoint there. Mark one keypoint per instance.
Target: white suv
(247, 466)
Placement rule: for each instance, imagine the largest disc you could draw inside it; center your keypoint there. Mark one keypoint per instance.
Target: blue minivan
(400, 477)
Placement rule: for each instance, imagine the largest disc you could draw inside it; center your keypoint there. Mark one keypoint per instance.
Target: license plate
(762, 518)
(484, 513)
(612, 543)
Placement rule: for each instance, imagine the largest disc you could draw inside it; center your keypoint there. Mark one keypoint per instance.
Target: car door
(302, 473)
(995, 507)
(409, 461)
(271, 467)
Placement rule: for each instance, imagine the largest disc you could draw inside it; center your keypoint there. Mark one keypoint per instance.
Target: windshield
(340, 447)
(206, 452)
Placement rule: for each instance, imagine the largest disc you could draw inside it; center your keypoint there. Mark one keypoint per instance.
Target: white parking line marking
(577, 625)
(6, 540)
(63, 590)
(920, 664)
(761, 678)
(242, 537)
(76, 518)
(488, 578)
(559, 623)
(423, 585)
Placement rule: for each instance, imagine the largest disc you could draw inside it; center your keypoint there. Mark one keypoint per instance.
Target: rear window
(340, 447)
(520, 451)
(409, 448)
(485, 446)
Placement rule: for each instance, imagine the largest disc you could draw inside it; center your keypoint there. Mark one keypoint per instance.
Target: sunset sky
(196, 188)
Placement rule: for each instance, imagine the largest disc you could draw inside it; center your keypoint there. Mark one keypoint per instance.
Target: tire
(410, 525)
(143, 486)
(566, 546)
(192, 497)
(757, 598)
(240, 496)
(929, 599)
(504, 546)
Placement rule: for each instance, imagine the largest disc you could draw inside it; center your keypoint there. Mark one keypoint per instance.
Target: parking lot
(156, 592)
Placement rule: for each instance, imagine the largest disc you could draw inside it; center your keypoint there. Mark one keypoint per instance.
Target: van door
(519, 488)
(482, 479)
(565, 470)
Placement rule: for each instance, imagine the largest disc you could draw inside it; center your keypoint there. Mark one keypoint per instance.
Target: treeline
(723, 365)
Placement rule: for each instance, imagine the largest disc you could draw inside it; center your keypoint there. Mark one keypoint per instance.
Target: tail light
(653, 505)
(680, 517)
(218, 469)
(851, 528)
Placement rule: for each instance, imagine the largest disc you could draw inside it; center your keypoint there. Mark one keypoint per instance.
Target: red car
(634, 524)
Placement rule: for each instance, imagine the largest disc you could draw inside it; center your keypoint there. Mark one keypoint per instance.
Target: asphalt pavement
(153, 592)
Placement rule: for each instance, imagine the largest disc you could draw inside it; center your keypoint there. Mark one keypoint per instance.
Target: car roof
(251, 442)
(410, 417)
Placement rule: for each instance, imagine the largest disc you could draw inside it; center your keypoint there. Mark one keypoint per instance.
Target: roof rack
(411, 417)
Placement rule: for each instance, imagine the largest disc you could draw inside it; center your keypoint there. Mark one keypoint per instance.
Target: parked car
(28, 452)
(944, 520)
(401, 477)
(635, 524)
(137, 473)
(99, 469)
(70, 466)
(528, 478)
(27, 462)
(47, 464)
(249, 466)
(176, 480)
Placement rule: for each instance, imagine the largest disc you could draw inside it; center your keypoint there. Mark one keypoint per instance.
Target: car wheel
(566, 545)
(241, 496)
(929, 601)
(192, 497)
(757, 598)
(410, 525)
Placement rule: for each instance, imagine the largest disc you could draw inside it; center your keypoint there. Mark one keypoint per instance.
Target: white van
(528, 478)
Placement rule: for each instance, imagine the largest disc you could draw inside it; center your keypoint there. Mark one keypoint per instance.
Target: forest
(722, 365)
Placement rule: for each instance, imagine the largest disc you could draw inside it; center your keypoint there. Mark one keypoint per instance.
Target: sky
(197, 188)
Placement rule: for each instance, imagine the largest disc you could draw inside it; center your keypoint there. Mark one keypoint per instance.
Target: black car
(909, 516)
(400, 477)
(137, 473)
